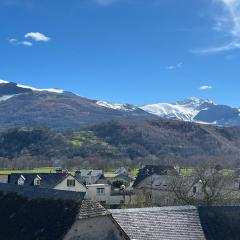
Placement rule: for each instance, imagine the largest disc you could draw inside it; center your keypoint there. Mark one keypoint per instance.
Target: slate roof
(94, 173)
(180, 223)
(44, 193)
(28, 214)
(149, 170)
(92, 209)
(48, 180)
(38, 218)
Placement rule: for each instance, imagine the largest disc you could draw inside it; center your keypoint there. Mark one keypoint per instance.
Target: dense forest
(115, 143)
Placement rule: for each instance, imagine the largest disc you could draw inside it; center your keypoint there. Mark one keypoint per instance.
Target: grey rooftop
(180, 223)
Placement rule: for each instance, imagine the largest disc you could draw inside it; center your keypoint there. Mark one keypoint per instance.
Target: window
(37, 182)
(194, 189)
(100, 191)
(71, 182)
(149, 196)
(21, 180)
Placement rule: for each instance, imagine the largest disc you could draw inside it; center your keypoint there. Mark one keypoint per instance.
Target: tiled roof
(48, 180)
(180, 223)
(92, 209)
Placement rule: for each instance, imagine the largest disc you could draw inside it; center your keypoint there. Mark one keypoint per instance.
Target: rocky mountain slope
(22, 106)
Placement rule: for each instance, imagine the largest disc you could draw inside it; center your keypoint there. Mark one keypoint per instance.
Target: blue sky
(135, 51)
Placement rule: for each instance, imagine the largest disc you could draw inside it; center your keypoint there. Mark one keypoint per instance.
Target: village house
(152, 185)
(58, 181)
(116, 180)
(29, 213)
(122, 171)
(88, 176)
(180, 223)
(107, 196)
(3, 178)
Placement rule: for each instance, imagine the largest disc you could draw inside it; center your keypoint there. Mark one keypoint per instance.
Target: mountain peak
(117, 106)
(54, 90)
(11, 88)
(3, 81)
(195, 100)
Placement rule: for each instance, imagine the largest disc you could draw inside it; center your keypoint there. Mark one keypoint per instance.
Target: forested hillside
(115, 143)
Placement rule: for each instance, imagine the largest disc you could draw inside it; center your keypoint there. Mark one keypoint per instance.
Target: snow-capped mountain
(117, 106)
(196, 110)
(10, 89)
(22, 105)
(185, 110)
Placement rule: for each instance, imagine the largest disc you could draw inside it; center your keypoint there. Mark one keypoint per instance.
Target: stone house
(153, 185)
(29, 213)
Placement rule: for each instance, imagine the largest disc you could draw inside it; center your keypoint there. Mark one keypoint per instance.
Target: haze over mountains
(22, 105)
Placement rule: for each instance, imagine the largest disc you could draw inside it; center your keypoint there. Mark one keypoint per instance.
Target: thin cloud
(37, 36)
(172, 67)
(34, 36)
(16, 42)
(205, 87)
(228, 23)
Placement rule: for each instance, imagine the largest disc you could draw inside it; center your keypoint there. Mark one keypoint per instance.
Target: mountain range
(22, 106)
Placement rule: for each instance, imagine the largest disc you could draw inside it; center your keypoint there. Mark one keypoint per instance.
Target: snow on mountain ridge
(3, 81)
(54, 90)
(117, 106)
(171, 111)
(184, 110)
(5, 97)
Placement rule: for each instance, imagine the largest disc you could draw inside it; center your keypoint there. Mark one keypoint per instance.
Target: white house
(104, 194)
(58, 181)
(70, 183)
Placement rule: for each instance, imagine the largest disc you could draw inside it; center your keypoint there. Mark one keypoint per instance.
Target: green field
(186, 171)
(35, 170)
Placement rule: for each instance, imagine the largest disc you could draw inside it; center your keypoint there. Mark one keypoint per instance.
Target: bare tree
(206, 186)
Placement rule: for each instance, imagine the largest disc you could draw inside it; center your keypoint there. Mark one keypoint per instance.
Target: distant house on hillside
(40, 213)
(122, 171)
(89, 176)
(152, 184)
(58, 181)
(180, 223)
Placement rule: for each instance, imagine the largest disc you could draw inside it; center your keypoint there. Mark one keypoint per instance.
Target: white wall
(63, 185)
(3, 178)
(107, 197)
(93, 195)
